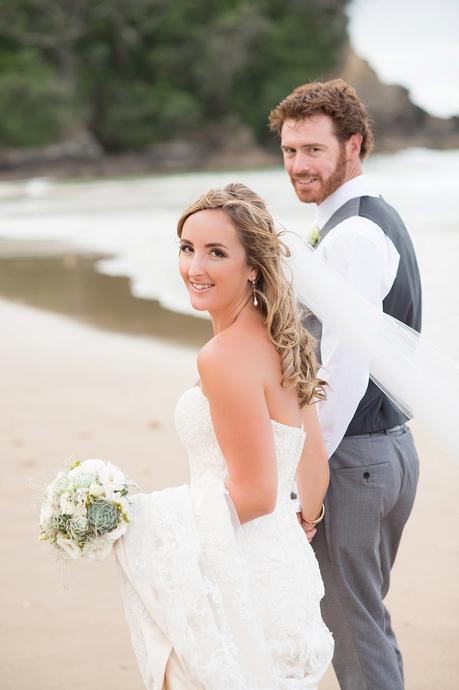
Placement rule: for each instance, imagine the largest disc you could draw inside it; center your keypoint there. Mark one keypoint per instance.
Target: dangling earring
(255, 301)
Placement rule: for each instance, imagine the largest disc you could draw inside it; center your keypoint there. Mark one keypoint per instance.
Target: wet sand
(71, 390)
(51, 276)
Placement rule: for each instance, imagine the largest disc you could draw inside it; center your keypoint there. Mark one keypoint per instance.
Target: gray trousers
(372, 488)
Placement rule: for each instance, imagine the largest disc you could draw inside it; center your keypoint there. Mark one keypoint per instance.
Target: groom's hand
(308, 528)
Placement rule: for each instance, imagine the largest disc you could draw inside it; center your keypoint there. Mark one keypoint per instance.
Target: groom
(325, 135)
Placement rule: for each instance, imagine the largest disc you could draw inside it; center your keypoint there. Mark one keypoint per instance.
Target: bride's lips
(200, 288)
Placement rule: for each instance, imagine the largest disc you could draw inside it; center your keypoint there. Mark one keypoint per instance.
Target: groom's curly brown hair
(335, 98)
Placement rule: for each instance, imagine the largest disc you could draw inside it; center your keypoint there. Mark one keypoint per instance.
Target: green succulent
(61, 523)
(102, 517)
(78, 527)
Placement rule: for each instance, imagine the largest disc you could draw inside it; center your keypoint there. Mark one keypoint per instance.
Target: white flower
(79, 511)
(66, 505)
(59, 485)
(111, 478)
(82, 481)
(80, 497)
(91, 466)
(96, 489)
(46, 512)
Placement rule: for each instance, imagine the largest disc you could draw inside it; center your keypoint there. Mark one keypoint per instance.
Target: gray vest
(375, 411)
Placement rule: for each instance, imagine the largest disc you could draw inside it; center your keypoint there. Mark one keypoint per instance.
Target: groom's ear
(353, 146)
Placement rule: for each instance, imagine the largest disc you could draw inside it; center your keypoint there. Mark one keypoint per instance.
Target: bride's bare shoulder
(223, 348)
(234, 354)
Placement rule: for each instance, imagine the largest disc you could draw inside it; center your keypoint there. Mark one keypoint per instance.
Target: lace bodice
(194, 426)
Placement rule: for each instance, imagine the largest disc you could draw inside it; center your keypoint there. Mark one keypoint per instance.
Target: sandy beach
(70, 390)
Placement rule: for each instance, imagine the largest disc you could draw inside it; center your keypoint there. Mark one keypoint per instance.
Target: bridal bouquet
(85, 509)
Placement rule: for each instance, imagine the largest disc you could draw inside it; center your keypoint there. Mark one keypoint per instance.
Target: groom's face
(316, 162)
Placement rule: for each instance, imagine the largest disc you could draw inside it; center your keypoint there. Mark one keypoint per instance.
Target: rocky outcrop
(398, 123)
(79, 147)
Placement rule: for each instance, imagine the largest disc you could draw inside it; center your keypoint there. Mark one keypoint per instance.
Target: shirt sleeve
(360, 252)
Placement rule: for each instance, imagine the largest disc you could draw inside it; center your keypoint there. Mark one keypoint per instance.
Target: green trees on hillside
(133, 72)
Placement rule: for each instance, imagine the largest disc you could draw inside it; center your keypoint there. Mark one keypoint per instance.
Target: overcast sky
(414, 43)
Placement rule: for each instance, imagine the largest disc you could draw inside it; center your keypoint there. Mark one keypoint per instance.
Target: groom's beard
(323, 188)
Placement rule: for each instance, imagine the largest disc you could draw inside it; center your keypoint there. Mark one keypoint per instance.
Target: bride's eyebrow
(209, 245)
(215, 244)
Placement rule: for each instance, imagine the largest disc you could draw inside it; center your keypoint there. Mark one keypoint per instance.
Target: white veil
(416, 375)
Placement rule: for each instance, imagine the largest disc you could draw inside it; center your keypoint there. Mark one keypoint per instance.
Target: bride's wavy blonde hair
(264, 249)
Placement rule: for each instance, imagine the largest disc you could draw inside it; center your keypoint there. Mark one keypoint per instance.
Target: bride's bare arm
(313, 474)
(242, 426)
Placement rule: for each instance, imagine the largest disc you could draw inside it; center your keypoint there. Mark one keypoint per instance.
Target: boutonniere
(314, 237)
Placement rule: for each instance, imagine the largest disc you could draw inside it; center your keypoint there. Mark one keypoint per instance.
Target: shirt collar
(358, 186)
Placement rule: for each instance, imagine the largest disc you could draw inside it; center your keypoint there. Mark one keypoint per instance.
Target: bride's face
(213, 262)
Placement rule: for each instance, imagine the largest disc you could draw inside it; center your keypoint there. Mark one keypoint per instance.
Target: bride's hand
(308, 528)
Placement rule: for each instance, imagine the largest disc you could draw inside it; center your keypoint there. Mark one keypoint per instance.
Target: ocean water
(133, 222)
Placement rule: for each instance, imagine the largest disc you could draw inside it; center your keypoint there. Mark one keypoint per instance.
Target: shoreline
(128, 165)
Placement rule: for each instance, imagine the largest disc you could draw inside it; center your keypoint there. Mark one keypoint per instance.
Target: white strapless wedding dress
(240, 605)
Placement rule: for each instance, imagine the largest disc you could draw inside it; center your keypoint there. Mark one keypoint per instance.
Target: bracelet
(317, 520)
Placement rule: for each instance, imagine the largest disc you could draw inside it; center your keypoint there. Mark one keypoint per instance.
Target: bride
(220, 585)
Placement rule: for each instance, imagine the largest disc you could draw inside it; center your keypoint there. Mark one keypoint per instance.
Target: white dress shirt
(364, 256)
